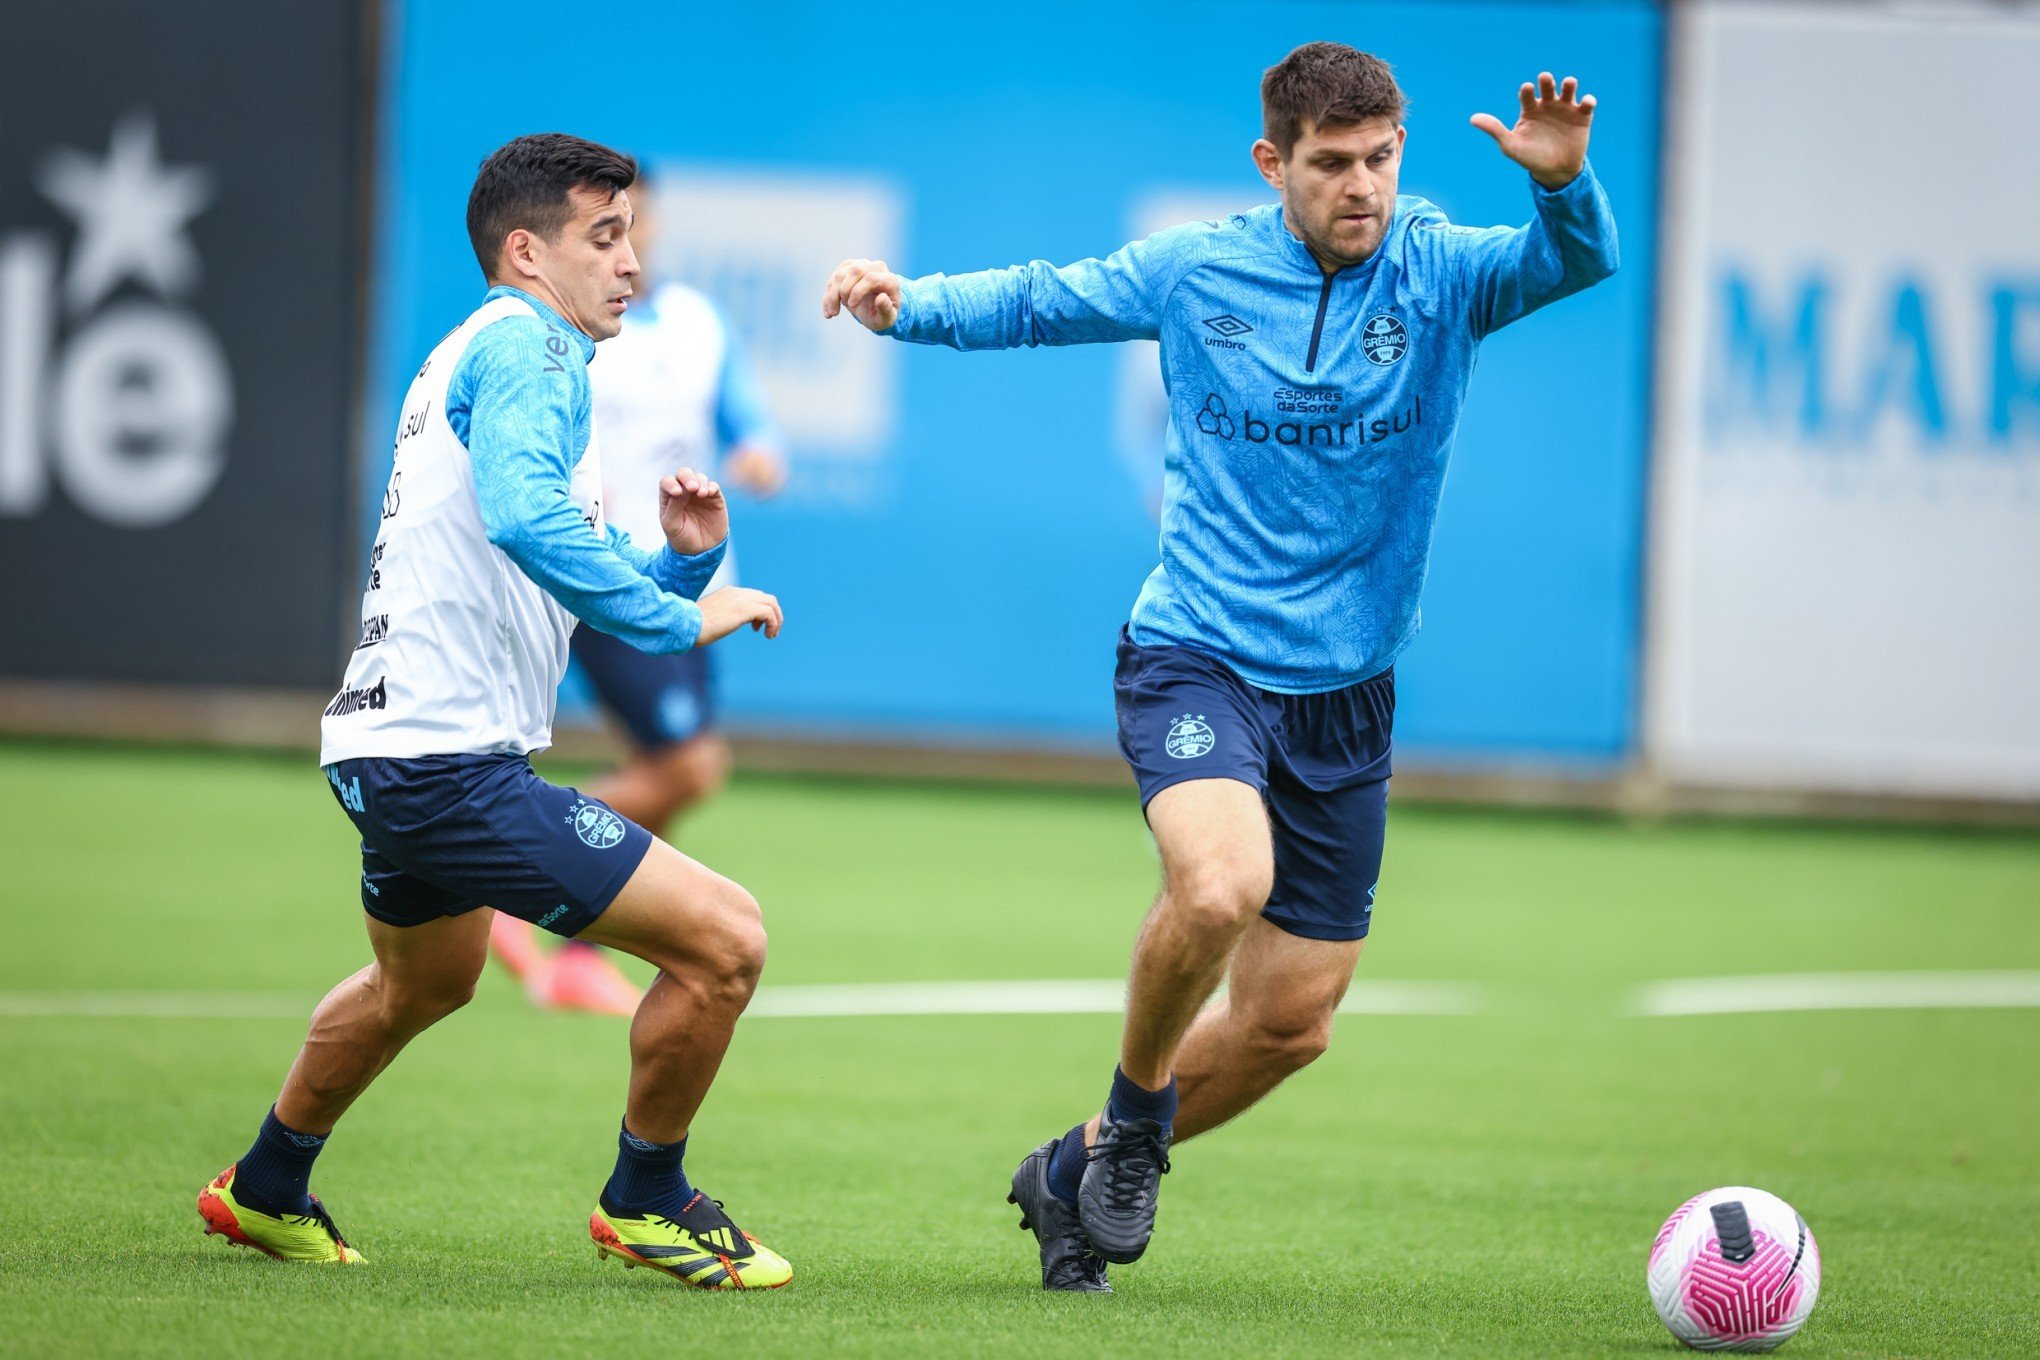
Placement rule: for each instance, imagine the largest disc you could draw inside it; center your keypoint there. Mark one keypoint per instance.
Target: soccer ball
(1734, 1269)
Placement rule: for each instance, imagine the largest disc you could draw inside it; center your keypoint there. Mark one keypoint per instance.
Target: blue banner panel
(964, 534)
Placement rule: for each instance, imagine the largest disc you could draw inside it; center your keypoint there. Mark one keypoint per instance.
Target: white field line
(1682, 996)
(844, 1001)
(1837, 992)
(1105, 996)
(158, 1005)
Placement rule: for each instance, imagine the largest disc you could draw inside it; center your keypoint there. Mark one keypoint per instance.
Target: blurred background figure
(673, 390)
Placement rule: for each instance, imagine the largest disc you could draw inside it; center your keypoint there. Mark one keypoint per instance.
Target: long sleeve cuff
(1574, 195)
(686, 575)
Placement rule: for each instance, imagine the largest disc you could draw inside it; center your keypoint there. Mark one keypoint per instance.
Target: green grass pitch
(1483, 1185)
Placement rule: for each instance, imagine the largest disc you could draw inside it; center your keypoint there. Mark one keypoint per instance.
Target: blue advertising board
(964, 533)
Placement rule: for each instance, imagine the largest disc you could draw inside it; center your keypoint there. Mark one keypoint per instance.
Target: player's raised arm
(752, 461)
(868, 290)
(520, 431)
(1550, 136)
(1116, 298)
(1571, 243)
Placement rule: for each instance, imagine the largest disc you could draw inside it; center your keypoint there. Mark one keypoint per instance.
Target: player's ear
(1269, 162)
(520, 253)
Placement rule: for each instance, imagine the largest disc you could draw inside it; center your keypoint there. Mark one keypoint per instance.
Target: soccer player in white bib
(672, 390)
(492, 544)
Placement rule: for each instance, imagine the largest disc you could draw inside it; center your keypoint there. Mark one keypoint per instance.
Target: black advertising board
(180, 246)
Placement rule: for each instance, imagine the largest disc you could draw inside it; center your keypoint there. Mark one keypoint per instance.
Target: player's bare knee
(747, 955)
(692, 773)
(746, 930)
(732, 956)
(1220, 897)
(416, 1003)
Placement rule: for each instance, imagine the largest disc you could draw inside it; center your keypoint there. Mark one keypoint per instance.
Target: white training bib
(460, 652)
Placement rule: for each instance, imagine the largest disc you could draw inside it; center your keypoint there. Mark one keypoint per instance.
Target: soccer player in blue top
(1316, 353)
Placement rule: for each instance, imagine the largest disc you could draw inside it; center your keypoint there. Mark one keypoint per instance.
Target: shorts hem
(1151, 790)
(393, 922)
(375, 915)
(1316, 930)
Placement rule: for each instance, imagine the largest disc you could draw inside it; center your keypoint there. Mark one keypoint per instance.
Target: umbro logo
(1227, 325)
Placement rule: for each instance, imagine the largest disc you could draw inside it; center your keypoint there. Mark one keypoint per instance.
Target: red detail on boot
(579, 978)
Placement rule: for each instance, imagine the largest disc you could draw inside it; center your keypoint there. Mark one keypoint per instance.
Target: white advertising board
(1846, 570)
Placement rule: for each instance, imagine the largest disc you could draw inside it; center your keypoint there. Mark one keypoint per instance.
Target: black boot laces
(319, 1216)
(1071, 1261)
(1134, 1155)
(697, 1219)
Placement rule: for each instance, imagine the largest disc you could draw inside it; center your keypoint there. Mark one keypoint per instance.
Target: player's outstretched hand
(693, 512)
(1550, 136)
(868, 290)
(757, 469)
(725, 611)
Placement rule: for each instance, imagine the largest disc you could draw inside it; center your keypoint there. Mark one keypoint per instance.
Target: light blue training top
(526, 420)
(1310, 414)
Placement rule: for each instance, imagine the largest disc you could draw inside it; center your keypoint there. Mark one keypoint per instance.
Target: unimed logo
(125, 402)
(348, 701)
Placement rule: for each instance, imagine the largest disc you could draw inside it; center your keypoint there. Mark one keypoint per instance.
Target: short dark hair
(1324, 84)
(528, 182)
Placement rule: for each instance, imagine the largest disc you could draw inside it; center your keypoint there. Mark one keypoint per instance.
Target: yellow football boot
(701, 1247)
(293, 1237)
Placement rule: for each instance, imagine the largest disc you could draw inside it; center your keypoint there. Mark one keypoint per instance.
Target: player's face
(1338, 187)
(590, 269)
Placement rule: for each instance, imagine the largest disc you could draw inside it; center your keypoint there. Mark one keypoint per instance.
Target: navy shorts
(662, 699)
(1321, 762)
(442, 835)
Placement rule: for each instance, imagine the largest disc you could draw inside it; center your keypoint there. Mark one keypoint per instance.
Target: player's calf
(1287, 1042)
(706, 937)
(1275, 1019)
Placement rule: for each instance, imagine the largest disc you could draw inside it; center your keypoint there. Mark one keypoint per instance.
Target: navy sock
(274, 1175)
(1130, 1101)
(1066, 1166)
(648, 1178)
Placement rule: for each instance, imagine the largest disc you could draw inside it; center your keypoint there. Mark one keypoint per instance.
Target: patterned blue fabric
(519, 400)
(1310, 415)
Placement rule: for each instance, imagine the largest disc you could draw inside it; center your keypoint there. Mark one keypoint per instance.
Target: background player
(1308, 436)
(492, 542)
(672, 390)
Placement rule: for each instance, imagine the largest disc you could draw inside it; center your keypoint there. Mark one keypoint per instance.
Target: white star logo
(131, 211)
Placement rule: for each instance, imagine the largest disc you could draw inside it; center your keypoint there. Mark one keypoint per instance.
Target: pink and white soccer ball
(1734, 1269)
